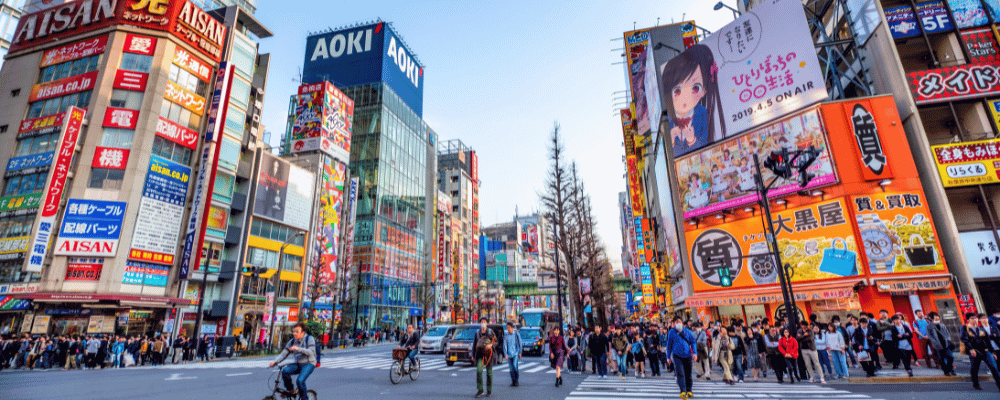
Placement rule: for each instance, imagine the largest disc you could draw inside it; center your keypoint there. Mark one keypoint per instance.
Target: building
(458, 178)
(392, 155)
(146, 89)
(10, 13)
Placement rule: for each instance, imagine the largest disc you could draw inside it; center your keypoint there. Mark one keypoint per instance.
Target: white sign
(299, 198)
(982, 253)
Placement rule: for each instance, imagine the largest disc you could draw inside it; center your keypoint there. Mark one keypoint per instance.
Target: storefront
(81, 314)
(12, 313)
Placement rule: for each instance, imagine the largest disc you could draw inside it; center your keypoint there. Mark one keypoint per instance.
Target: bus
(539, 318)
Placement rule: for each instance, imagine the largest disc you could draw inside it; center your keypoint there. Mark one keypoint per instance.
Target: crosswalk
(595, 388)
(361, 362)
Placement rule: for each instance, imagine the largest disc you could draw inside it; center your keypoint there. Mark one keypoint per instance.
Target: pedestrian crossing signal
(725, 278)
(253, 270)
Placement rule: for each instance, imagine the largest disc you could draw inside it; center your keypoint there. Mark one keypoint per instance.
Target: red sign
(87, 247)
(110, 157)
(84, 271)
(73, 51)
(474, 166)
(173, 132)
(192, 64)
(220, 326)
(61, 164)
(130, 80)
(982, 46)
(64, 86)
(55, 23)
(151, 256)
(293, 314)
(120, 118)
(47, 121)
(139, 44)
(966, 81)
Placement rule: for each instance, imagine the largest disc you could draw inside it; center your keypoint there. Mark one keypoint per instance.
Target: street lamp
(660, 45)
(281, 264)
(720, 5)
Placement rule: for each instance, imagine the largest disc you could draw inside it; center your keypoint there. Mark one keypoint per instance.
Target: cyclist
(411, 340)
(303, 347)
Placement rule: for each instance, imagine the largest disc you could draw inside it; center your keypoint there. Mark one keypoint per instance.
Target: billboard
(272, 188)
(968, 163)
(365, 54)
(647, 52)
(968, 13)
(981, 44)
(73, 51)
(665, 199)
(637, 200)
(933, 17)
(84, 269)
(721, 177)
(13, 206)
(967, 81)
(981, 253)
(90, 228)
(748, 73)
(161, 212)
(323, 120)
(817, 240)
(54, 188)
(330, 218)
(896, 232)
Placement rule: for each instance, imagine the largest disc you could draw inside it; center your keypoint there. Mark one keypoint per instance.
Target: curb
(918, 379)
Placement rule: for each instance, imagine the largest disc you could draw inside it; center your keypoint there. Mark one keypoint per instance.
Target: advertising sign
(967, 81)
(982, 46)
(12, 206)
(40, 126)
(109, 157)
(721, 177)
(139, 44)
(54, 188)
(73, 51)
(816, 240)
(671, 260)
(130, 80)
(896, 233)
(161, 211)
(743, 75)
(218, 218)
(64, 86)
(323, 120)
(994, 8)
(868, 143)
(968, 163)
(933, 17)
(175, 133)
(981, 253)
(272, 188)
(330, 218)
(352, 202)
(968, 13)
(365, 54)
(636, 197)
(995, 111)
(185, 98)
(190, 63)
(90, 228)
(120, 118)
(30, 161)
(13, 245)
(637, 50)
(140, 273)
(84, 269)
(647, 51)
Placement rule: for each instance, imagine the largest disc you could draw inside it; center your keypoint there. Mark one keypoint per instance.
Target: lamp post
(277, 281)
(720, 5)
(201, 297)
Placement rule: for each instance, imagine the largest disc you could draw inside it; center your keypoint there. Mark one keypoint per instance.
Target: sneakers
(741, 380)
(684, 395)
(910, 373)
(811, 380)
(822, 381)
(479, 394)
(690, 395)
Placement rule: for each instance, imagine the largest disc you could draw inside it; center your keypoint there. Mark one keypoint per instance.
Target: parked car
(532, 342)
(436, 339)
(461, 348)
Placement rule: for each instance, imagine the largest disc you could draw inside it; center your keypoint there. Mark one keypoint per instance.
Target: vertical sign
(54, 188)
(352, 199)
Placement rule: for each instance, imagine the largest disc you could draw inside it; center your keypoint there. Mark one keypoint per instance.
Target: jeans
(622, 364)
(738, 366)
(824, 361)
(514, 373)
(839, 360)
(413, 357)
(601, 361)
(793, 369)
(991, 363)
(489, 374)
(947, 360)
(304, 370)
(654, 364)
(904, 356)
(682, 369)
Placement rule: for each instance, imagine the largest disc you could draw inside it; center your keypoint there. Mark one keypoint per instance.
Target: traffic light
(725, 278)
(778, 163)
(806, 158)
(253, 270)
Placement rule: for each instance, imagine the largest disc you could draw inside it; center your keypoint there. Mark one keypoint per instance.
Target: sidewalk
(922, 373)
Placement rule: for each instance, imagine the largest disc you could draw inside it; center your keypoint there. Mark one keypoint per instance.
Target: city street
(362, 374)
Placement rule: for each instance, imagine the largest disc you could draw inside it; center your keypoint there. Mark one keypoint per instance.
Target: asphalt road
(363, 374)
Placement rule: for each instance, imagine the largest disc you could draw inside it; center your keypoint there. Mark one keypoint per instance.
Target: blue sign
(9, 303)
(367, 54)
(903, 23)
(166, 181)
(140, 273)
(416, 312)
(30, 161)
(92, 219)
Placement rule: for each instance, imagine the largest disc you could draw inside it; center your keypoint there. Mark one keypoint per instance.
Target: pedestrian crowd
(99, 351)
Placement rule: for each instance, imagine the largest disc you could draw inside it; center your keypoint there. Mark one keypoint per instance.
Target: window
(17, 226)
(117, 138)
(279, 233)
(58, 104)
(126, 99)
(104, 178)
(454, 193)
(35, 145)
(171, 151)
(187, 80)
(177, 113)
(454, 179)
(69, 68)
(136, 62)
(25, 184)
(3, 128)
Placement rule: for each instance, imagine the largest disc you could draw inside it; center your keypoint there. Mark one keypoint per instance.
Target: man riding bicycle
(411, 341)
(303, 346)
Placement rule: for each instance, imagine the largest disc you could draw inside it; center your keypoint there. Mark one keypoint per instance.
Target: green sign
(21, 202)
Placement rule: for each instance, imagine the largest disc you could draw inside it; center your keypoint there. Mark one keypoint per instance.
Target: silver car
(436, 339)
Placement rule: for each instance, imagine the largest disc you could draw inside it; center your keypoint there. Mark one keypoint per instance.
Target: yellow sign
(14, 245)
(968, 163)
(995, 110)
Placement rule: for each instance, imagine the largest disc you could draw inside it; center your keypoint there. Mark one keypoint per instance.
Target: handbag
(920, 255)
(864, 356)
(839, 262)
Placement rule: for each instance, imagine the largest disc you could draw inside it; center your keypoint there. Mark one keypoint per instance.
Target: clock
(879, 242)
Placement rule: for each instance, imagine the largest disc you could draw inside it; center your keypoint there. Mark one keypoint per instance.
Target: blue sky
(497, 75)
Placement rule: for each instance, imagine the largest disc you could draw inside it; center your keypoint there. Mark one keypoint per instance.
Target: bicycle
(281, 394)
(399, 366)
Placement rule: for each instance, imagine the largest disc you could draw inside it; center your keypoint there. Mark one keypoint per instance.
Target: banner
(967, 81)
(55, 187)
(13, 206)
(330, 217)
(896, 233)
(40, 126)
(161, 211)
(173, 132)
(323, 119)
(968, 163)
(272, 188)
(192, 64)
(968, 13)
(184, 98)
(139, 44)
(140, 273)
(721, 177)
(109, 157)
(74, 51)
(84, 269)
(982, 46)
(749, 72)
(120, 118)
(90, 228)
(981, 253)
(130, 80)
(634, 176)
(64, 86)
(933, 17)
(816, 240)
(30, 161)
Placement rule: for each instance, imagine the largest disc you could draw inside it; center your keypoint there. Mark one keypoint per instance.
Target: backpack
(319, 349)
(485, 341)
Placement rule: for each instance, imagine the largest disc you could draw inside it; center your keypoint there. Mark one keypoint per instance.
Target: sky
(498, 75)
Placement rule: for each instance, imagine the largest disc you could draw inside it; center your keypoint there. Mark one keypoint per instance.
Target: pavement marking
(240, 374)
(177, 377)
(536, 369)
(630, 388)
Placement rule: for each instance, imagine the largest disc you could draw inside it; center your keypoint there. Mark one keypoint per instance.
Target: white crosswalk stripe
(595, 388)
(361, 362)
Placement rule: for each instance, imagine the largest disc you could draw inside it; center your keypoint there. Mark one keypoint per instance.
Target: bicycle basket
(400, 353)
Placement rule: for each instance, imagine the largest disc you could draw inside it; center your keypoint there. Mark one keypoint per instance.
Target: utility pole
(277, 281)
(201, 297)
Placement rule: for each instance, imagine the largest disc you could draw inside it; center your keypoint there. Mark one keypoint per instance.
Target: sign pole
(786, 286)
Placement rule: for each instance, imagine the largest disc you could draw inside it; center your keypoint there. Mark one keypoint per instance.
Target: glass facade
(10, 13)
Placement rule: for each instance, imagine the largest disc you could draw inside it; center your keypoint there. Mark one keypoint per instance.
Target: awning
(124, 299)
(9, 303)
(911, 285)
(319, 306)
(827, 290)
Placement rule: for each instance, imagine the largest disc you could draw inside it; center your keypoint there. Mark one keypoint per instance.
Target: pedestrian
(178, 346)
(903, 338)
(704, 346)
(822, 350)
(557, 352)
(117, 351)
(920, 325)
(619, 343)
(573, 344)
(512, 351)
(775, 357)
(484, 341)
(847, 332)
(808, 353)
(977, 345)
(72, 350)
(156, 357)
(993, 332)
(885, 341)
(585, 351)
(726, 345)
(203, 349)
(652, 342)
(680, 348)
(638, 350)
(599, 347)
(738, 351)
(837, 348)
(789, 348)
(865, 341)
(756, 350)
(941, 342)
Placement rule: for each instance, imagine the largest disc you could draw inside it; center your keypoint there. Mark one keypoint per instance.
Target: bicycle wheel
(415, 370)
(396, 372)
(311, 394)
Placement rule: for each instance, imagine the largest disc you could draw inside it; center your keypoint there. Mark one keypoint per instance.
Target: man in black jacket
(483, 343)
(977, 344)
(903, 338)
(411, 341)
(599, 346)
(866, 346)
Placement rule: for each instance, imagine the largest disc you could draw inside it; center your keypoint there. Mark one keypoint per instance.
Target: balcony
(234, 234)
(228, 271)
(239, 202)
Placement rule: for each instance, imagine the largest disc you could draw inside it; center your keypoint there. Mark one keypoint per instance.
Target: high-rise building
(458, 177)
(10, 13)
(390, 154)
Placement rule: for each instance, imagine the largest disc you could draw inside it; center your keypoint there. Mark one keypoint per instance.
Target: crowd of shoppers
(99, 351)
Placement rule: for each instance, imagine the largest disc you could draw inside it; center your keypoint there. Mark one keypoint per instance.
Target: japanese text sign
(982, 46)
(933, 17)
(816, 240)
(90, 228)
(73, 51)
(176, 133)
(64, 86)
(995, 111)
(130, 80)
(981, 253)
(30, 161)
(120, 118)
(896, 233)
(966, 81)
(110, 157)
(190, 63)
(11, 204)
(41, 125)
(865, 128)
(161, 211)
(140, 273)
(634, 173)
(139, 44)
(185, 98)
(968, 163)
(749, 72)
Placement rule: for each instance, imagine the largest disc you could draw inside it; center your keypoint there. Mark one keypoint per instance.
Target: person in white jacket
(302, 348)
(837, 348)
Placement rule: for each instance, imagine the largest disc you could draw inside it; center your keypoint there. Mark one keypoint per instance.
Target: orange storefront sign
(185, 98)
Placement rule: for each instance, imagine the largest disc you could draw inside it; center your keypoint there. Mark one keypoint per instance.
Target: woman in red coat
(789, 348)
(557, 353)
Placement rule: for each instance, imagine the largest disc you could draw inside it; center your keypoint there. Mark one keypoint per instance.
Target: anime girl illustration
(697, 195)
(692, 99)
